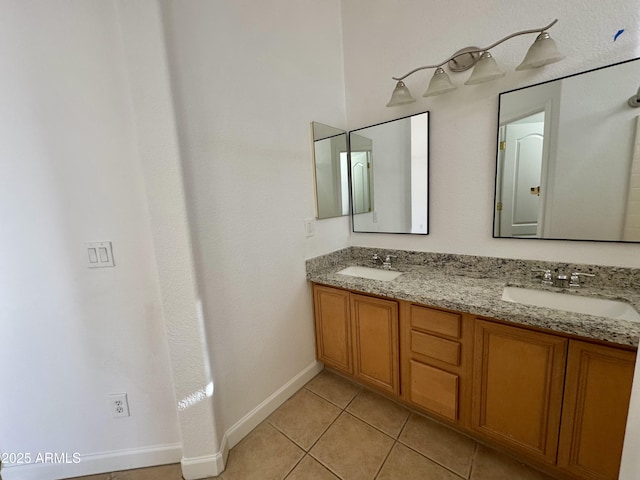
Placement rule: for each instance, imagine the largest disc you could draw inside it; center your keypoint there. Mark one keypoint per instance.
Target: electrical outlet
(119, 405)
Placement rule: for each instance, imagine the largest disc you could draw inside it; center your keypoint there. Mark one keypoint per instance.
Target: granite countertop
(479, 293)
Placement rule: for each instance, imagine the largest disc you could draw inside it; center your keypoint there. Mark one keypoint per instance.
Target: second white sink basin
(599, 307)
(370, 273)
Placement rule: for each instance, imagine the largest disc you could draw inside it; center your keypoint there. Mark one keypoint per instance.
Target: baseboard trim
(213, 465)
(192, 468)
(93, 464)
(205, 466)
(251, 420)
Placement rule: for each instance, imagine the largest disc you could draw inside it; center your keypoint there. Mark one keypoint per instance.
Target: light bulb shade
(439, 84)
(485, 70)
(400, 95)
(542, 52)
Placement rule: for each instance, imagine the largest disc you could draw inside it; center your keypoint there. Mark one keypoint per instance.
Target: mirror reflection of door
(361, 172)
(330, 171)
(360, 168)
(520, 164)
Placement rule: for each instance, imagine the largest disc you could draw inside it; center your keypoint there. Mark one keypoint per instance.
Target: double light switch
(99, 254)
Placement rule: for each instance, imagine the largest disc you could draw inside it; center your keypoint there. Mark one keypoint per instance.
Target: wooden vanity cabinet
(358, 335)
(518, 379)
(594, 415)
(333, 327)
(374, 327)
(559, 402)
(435, 361)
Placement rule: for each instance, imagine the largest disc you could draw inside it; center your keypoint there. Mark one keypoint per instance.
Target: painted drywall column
(143, 44)
(248, 78)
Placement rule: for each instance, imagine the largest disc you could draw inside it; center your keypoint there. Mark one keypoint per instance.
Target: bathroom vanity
(549, 386)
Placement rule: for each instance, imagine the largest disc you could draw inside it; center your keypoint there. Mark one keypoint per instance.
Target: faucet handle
(575, 278)
(547, 278)
(387, 261)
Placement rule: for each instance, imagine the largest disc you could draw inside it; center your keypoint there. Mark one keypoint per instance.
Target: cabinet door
(333, 327)
(517, 387)
(594, 416)
(375, 341)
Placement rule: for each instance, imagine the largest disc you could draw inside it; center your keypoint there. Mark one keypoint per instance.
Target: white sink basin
(599, 307)
(370, 273)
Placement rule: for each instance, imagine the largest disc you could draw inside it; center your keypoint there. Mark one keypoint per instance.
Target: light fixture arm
(478, 50)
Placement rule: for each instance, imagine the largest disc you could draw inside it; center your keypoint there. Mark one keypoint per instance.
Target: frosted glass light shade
(485, 70)
(400, 95)
(543, 52)
(439, 84)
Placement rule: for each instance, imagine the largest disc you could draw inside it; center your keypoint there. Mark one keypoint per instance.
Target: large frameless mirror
(390, 176)
(330, 160)
(568, 158)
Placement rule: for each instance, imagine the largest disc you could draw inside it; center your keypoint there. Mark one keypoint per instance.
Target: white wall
(383, 39)
(70, 174)
(248, 78)
(594, 153)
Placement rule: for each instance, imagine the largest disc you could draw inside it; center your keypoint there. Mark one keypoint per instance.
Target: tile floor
(333, 429)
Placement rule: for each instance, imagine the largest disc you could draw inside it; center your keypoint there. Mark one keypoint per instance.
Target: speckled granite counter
(474, 285)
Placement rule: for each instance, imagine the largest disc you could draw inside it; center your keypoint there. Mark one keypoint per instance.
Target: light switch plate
(99, 254)
(309, 227)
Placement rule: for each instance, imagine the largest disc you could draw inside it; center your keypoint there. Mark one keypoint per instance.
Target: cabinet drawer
(434, 389)
(435, 347)
(436, 321)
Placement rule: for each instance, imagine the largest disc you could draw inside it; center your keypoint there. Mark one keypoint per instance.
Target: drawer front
(434, 389)
(435, 321)
(435, 347)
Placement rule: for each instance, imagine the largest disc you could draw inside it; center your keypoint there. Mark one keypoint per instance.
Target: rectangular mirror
(568, 158)
(390, 176)
(331, 171)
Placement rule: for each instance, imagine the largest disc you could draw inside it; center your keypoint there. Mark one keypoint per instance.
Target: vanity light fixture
(542, 52)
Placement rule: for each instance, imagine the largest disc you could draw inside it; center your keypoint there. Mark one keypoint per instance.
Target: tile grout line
(294, 467)
(430, 459)
(473, 461)
(327, 400)
(385, 459)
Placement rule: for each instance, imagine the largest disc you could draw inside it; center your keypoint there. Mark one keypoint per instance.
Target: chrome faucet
(387, 262)
(375, 259)
(560, 279)
(575, 278)
(547, 278)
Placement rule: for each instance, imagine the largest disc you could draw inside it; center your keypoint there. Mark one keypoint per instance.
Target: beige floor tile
(491, 465)
(265, 454)
(304, 417)
(334, 388)
(164, 472)
(310, 469)
(352, 449)
(405, 464)
(379, 412)
(102, 476)
(439, 443)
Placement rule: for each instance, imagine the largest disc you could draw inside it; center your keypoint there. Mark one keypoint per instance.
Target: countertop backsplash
(478, 266)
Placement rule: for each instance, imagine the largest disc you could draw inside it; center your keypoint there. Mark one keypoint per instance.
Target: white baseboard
(192, 468)
(206, 466)
(251, 420)
(96, 463)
